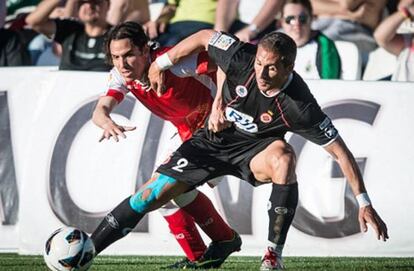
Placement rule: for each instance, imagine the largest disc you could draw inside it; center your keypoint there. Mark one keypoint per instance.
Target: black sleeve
(315, 126)
(66, 27)
(228, 52)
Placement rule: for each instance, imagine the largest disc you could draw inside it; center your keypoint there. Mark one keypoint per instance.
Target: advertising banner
(54, 172)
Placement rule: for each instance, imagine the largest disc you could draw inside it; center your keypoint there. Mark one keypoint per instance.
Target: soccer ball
(68, 249)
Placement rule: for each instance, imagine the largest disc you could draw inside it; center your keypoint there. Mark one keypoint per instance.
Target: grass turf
(11, 262)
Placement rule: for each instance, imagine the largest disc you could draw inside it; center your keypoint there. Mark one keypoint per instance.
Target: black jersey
(258, 120)
(256, 115)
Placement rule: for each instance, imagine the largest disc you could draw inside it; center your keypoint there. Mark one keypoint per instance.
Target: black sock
(283, 201)
(115, 225)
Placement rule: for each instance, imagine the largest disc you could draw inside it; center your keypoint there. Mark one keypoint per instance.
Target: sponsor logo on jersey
(241, 120)
(266, 117)
(241, 91)
(221, 41)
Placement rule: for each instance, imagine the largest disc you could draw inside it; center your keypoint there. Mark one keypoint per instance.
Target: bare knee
(282, 166)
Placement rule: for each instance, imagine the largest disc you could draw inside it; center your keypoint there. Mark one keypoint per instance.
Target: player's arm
(39, 20)
(217, 120)
(349, 167)
(191, 45)
(101, 117)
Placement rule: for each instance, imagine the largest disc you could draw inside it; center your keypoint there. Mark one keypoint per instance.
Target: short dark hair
(305, 3)
(127, 30)
(282, 44)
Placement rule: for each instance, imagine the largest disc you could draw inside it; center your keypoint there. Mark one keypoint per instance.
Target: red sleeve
(119, 96)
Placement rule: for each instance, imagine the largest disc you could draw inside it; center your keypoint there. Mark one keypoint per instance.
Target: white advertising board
(64, 176)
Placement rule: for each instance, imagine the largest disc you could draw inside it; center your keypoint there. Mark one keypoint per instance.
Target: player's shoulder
(115, 80)
(298, 90)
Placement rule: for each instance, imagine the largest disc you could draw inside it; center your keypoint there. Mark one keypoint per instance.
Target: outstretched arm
(349, 167)
(101, 117)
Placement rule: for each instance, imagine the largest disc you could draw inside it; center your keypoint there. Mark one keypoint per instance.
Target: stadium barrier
(53, 171)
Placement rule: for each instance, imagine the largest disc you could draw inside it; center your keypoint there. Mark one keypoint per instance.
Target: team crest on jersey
(221, 41)
(241, 91)
(265, 118)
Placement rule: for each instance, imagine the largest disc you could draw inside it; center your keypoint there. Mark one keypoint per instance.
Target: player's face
(93, 11)
(271, 73)
(296, 23)
(129, 60)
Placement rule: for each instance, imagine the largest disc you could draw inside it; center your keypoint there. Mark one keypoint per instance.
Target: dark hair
(127, 30)
(282, 44)
(305, 3)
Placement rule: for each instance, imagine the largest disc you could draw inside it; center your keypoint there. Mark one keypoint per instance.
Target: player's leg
(120, 221)
(183, 227)
(224, 240)
(277, 163)
(181, 223)
(200, 207)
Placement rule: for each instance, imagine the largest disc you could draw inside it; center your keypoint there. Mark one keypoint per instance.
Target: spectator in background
(349, 20)
(317, 56)
(226, 19)
(128, 10)
(180, 19)
(399, 44)
(12, 50)
(43, 50)
(82, 41)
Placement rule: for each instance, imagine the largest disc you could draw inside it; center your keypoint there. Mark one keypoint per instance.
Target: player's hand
(111, 129)
(156, 78)
(368, 215)
(217, 121)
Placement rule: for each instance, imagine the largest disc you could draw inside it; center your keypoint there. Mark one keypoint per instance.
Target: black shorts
(206, 156)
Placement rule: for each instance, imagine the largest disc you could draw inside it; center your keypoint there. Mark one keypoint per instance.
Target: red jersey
(188, 99)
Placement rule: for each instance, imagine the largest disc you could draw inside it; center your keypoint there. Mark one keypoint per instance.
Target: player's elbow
(204, 36)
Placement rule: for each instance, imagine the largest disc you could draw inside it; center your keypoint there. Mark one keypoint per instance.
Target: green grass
(11, 262)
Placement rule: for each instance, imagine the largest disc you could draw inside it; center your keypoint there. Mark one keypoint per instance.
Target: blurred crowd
(71, 33)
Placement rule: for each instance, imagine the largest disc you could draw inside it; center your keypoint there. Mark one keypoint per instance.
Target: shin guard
(209, 220)
(115, 225)
(183, 228)
(281, 209)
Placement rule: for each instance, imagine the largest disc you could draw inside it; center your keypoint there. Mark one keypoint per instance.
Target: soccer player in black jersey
(262, 98)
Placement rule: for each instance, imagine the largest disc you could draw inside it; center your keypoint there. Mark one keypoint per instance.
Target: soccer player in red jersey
(186, 103)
